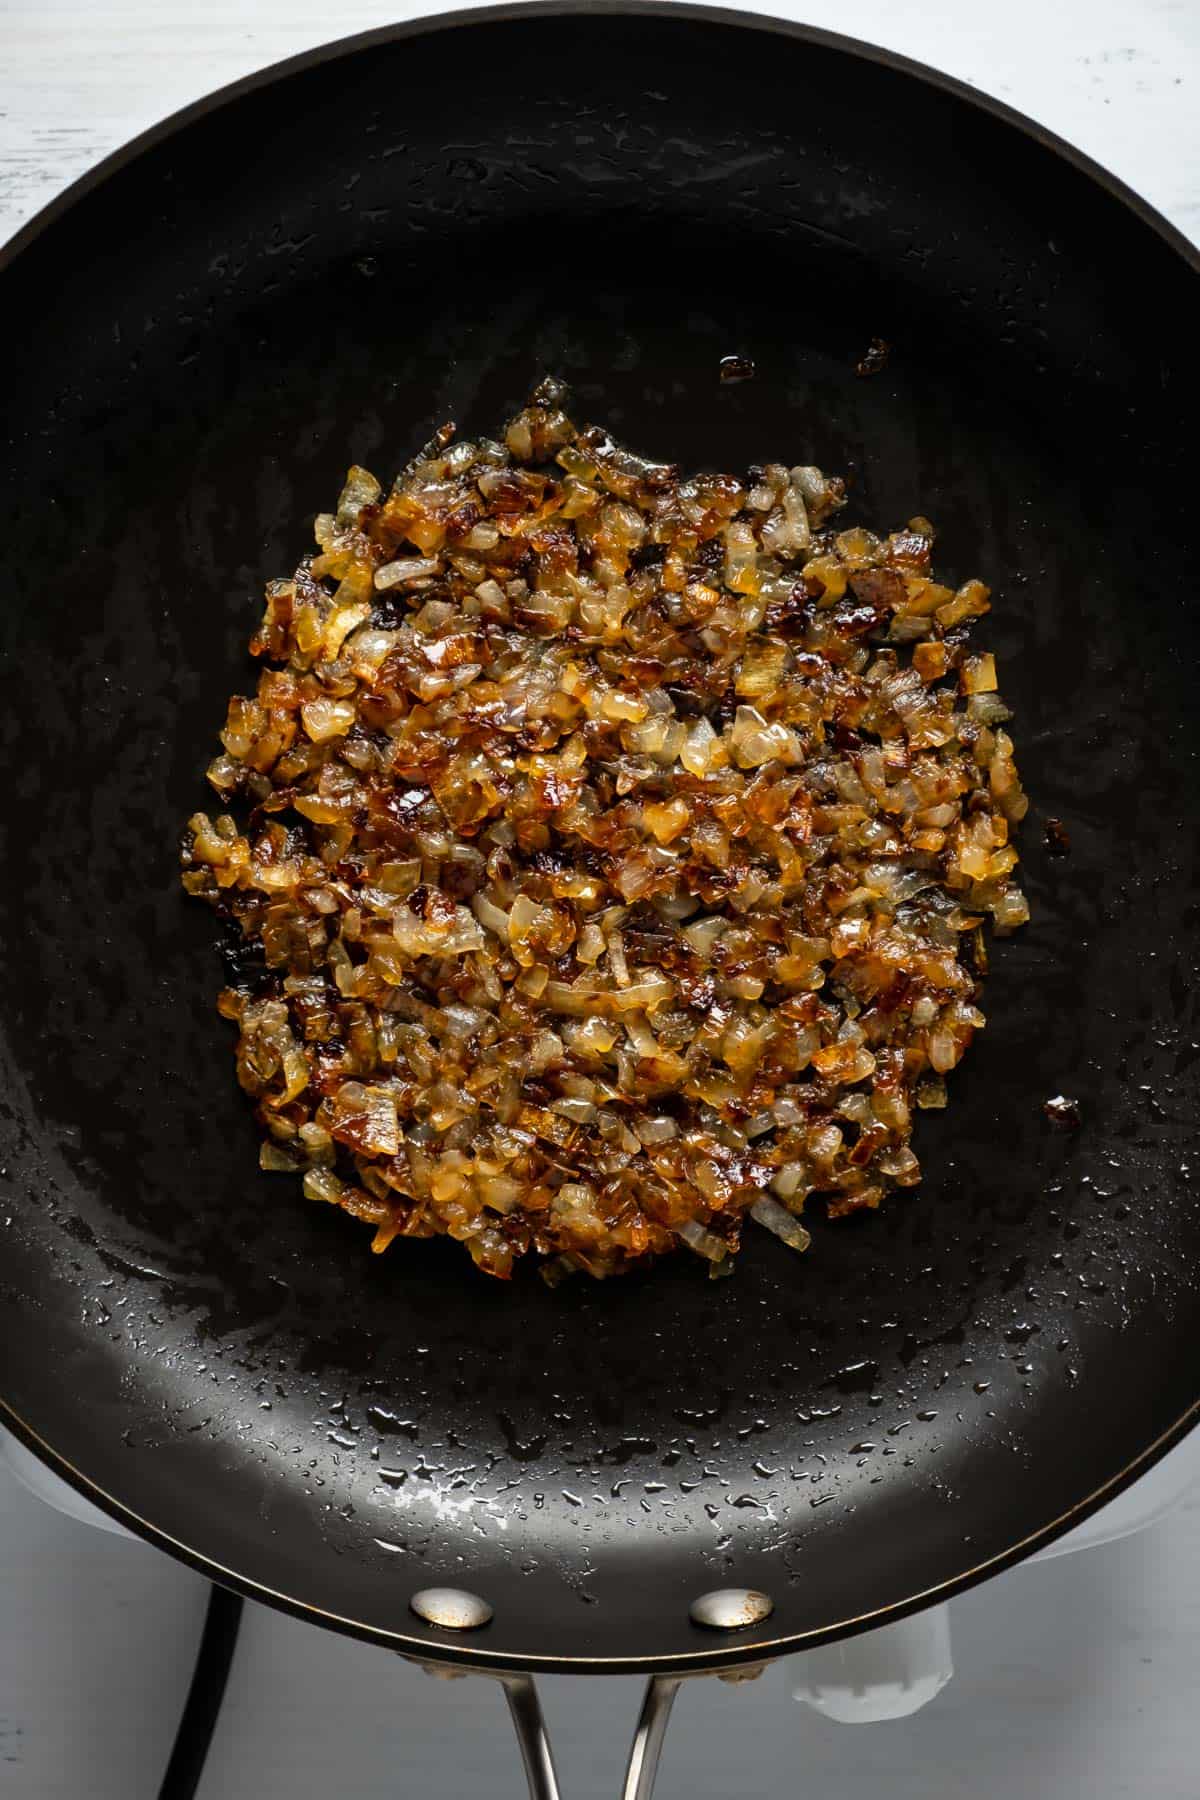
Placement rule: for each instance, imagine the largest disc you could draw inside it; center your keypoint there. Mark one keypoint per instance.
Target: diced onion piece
(404, 571)
(704, 1243)
(979, 675)
(778, 1220)
(325, 719)
(753, 742)
(361, 490)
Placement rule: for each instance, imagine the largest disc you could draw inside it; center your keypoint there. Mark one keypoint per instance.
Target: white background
(1074, 1677)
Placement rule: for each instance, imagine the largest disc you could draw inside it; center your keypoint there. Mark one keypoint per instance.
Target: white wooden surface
(1076, 1677)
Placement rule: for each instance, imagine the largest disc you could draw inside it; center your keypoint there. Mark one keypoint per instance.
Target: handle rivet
(454, 1609)
(731, 1609)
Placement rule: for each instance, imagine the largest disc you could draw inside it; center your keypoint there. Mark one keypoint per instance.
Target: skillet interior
(319, 270)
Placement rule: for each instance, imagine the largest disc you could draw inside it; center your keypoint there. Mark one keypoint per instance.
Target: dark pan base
(319, 271)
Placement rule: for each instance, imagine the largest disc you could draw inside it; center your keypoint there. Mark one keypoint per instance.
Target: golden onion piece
(605, 851)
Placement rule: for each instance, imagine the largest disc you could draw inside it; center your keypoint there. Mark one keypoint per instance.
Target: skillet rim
(441, 1646)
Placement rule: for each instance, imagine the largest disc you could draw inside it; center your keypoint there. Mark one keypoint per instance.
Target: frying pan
(318, 266)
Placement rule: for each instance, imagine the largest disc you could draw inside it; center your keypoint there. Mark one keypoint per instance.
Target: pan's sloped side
(317, 271)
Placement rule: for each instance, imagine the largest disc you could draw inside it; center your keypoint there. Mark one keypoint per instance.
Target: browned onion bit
(613, 848)
(874, 358)
(1063, 1113)
(1058, 838)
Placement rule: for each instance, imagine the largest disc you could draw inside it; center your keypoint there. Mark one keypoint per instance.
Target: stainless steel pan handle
(529, 1723)
(722, 1610)
(647, 1744)
(538, 1757)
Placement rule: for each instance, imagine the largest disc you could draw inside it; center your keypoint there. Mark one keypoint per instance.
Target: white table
(1074, 1677)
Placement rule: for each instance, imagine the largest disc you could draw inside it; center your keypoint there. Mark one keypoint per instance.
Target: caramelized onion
(606, 852)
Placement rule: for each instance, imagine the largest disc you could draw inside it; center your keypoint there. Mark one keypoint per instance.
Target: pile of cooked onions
(607, 851)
